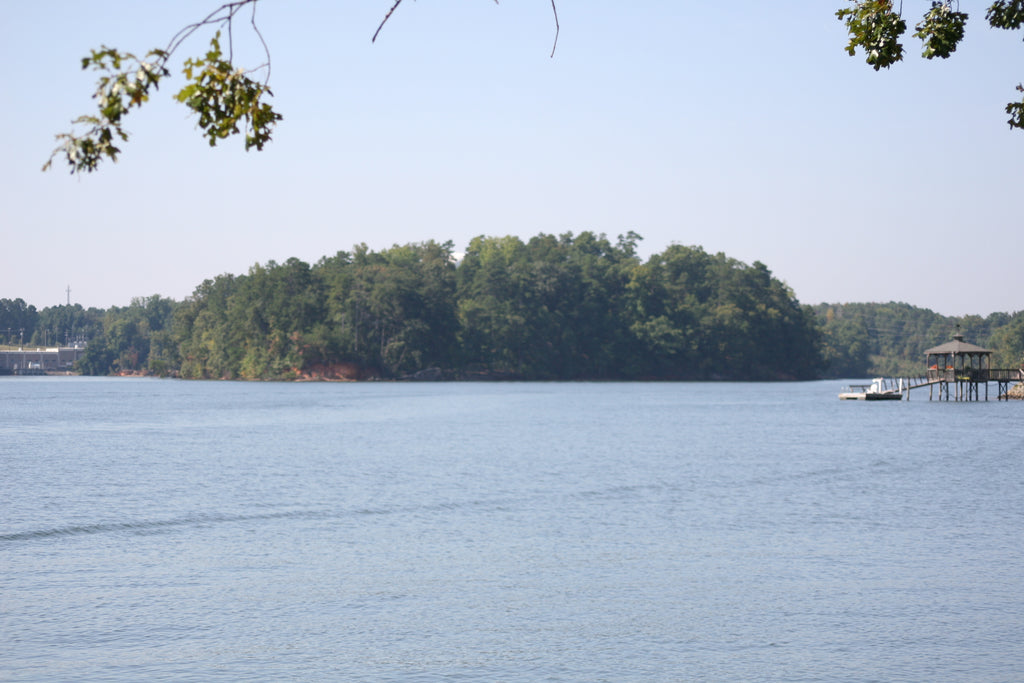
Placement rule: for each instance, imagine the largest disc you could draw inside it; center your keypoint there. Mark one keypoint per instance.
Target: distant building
(39, 361)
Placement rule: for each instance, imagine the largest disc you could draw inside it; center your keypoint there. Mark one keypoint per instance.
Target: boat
(880, 389)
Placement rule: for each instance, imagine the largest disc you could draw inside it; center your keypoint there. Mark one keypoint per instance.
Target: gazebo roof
(956, 347)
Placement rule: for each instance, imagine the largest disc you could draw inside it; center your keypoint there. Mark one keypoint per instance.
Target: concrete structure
(39, 361)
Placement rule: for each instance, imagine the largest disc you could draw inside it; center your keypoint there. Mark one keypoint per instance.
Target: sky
(740, 127)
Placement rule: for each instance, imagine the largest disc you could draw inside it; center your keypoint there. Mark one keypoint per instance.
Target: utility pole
(69, 295)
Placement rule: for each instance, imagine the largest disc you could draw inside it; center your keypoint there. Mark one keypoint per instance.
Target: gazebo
(961, 363)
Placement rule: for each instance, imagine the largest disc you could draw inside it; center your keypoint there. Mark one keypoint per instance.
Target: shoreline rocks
(1015, 392)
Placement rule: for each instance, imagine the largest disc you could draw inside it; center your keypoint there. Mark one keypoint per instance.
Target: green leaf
(941, 30)
(874, 27)
(123, 85)
(1016, 111)
(1003, 14)
(224, 98)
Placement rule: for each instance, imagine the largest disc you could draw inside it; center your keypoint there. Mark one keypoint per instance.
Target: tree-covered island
(565, 307)
(568, 307)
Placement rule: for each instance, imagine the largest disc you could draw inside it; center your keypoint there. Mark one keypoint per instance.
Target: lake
(165, 530)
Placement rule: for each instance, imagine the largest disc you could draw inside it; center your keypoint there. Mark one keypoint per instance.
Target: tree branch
(218, 91)
(385, 20)
(399, 2)
(557, 28)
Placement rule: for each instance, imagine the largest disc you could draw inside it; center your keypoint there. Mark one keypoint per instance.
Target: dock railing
(974, 375)
(935, 375)
(1006, 375)
(967, 381)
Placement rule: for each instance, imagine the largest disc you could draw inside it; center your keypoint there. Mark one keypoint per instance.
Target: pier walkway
(966, 383)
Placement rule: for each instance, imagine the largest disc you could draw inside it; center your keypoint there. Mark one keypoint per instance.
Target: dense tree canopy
(133, 339)
(552, 307)
(565, 307)
(863, 340)
(877, 27)
(17, 318)
(21, 323)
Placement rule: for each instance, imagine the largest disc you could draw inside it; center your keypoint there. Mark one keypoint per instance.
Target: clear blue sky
(741, 127)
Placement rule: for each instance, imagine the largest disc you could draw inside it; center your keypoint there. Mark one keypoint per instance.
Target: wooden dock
(957, 369)
(966, 384)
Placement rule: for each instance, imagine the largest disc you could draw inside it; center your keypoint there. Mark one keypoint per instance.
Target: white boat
(880, 389)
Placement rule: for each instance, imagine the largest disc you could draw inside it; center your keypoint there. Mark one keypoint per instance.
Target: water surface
(168, 530)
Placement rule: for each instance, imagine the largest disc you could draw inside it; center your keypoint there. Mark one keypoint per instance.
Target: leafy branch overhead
(876, 27)
(225, 99)
(126, 86)
(222, 95)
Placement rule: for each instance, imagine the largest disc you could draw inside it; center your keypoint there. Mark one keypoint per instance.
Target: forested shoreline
(889, 339)
(550, 308)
